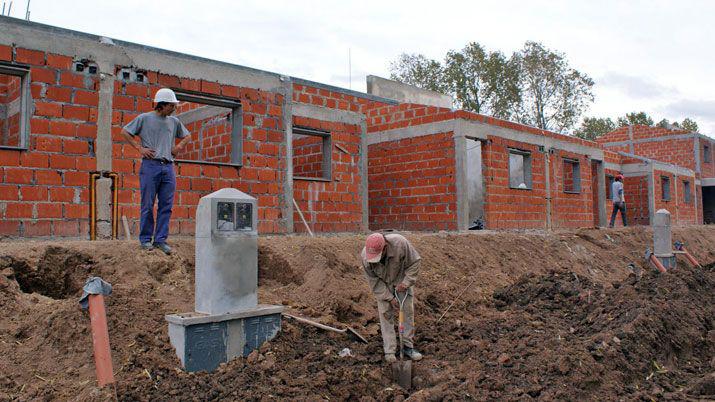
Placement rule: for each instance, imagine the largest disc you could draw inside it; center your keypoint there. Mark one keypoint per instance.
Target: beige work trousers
(389, 319)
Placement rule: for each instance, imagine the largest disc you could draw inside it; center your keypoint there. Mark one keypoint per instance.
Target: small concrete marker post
(228, 321)
(663, 239)
(100, 340)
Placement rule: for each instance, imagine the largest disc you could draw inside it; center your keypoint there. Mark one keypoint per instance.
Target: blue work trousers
(156, 179)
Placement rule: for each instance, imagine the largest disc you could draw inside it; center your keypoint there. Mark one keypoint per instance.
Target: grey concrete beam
(612, 166)
(411, 132)
(709, 182)
(647, 140)
(326, 114)
(201, 113)
(406, 93)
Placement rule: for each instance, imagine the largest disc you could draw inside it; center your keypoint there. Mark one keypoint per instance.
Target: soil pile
(557, 315)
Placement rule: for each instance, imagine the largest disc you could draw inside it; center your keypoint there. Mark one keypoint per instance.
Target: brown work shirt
(399, 263)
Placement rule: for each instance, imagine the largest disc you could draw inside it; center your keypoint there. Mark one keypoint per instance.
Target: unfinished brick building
(66, 171)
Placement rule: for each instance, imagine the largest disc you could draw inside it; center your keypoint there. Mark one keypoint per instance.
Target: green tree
(554, 95)
(594, 127)
(690, 125)
(481, 81)
(418, 70)
(633, 118)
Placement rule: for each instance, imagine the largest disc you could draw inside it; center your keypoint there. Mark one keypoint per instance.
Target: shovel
(402, 369)
(348, 330)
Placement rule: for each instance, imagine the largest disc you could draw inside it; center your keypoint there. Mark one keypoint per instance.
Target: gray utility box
(228, 321)
(226, 252)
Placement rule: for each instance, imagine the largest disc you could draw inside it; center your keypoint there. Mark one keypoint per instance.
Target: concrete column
(601, 171)
(663, 239)
(364, 190)
(103, 146)
(287, 208)
(460, 156)
(104, 208)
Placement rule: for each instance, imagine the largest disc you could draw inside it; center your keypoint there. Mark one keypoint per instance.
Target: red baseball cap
(374, 244)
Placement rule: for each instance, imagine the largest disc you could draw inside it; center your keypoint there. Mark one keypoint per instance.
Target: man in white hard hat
(157, 131)
(391, 265)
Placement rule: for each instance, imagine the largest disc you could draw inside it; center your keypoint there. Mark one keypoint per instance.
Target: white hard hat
(165, 95)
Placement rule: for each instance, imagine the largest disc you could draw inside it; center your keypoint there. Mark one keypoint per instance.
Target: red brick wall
(264, 162)
(10, 87)
(509, 208)
(334, 205)
(707, 169)
(43, 191)
(412, 183)
(211, 136)
(571, 209)
(307, 156)
(636, 192)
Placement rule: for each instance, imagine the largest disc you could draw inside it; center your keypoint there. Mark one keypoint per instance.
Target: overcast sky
(655, 56)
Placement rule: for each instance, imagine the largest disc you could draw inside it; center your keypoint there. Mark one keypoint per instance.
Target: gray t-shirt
(617, 192)
(157, 132)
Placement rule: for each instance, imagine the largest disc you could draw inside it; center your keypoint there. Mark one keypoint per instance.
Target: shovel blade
(402, 373)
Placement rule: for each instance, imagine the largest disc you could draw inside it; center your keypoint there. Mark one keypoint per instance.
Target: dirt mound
(561, 336)
(547, 316)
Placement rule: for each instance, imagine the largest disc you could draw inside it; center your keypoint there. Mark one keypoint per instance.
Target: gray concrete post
(663, 239)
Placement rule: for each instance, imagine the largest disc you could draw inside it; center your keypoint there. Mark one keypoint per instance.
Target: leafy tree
(633, 118)
(418, 70)
(690, 125)
(554, 95)
(483, 82)
(535, 86)
(594, 127)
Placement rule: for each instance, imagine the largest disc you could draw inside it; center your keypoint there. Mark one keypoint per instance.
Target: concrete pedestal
(204, 341)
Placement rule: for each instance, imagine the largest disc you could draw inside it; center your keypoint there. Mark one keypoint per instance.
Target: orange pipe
(100, 340)
(658, 264)
(690, 257)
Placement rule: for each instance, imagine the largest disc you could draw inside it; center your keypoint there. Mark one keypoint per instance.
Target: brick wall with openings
(681, 213)
(637, 206)
(264, 164)
(334, 204)
(707, 166)
(10, 87)
(211, 135)
(412, 183)
(571, 206)
(44, 190)
(512, 208)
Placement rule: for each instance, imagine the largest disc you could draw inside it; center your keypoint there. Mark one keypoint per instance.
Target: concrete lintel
(81, 45)
(326, 114)
(612, 166)
(646, 140)
(201, 318)
(201, 113)
(411, 131)
(636, 169)
(676, 170)
(709, 182)
(482, 130)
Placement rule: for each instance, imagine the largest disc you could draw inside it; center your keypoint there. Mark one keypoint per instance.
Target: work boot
(413, 354)
(147, 245)
(163, 247)
(390, 358)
